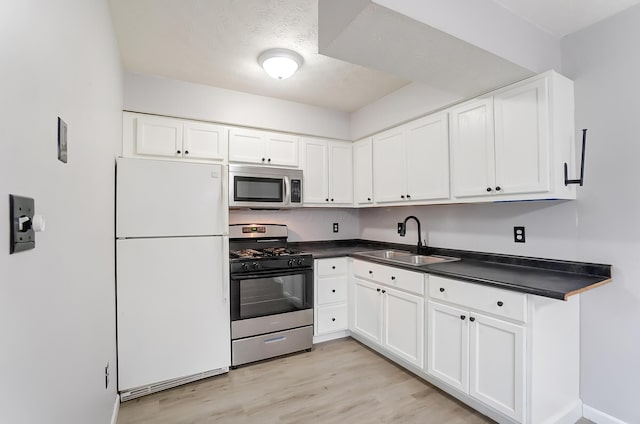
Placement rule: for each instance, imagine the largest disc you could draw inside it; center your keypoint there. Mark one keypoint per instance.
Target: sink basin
(423, 260)
(387, 254)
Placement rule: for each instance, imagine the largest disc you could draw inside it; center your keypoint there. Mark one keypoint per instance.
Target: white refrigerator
(172, 274)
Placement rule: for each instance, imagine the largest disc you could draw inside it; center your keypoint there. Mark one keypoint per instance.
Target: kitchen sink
(387, 254)
(423, 260)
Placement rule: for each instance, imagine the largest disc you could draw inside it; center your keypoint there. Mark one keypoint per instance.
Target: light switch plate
(20, 207)
(62, 140)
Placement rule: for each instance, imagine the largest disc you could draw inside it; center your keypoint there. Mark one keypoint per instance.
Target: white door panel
(173, 312)
(161, 198)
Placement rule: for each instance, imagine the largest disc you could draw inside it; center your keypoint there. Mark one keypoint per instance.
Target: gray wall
(604, 62)
(57, 302)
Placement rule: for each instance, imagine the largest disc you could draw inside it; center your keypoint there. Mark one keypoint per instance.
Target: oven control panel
(258, 230)
(271, 264)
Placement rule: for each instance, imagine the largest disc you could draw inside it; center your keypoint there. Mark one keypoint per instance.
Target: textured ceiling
(217, 42)
(562, 17)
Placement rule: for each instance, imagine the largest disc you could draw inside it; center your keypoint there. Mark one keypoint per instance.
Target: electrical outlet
(518, 235)
(335, 227)
(399, 227)
(106, 376)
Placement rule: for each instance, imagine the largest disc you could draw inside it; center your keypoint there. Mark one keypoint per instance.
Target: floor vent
(168, 384)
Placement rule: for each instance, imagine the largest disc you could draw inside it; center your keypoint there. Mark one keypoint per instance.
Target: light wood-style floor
(338, 382)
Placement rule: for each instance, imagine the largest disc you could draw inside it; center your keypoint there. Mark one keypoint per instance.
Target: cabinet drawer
(333, 266)
(332, 289)
(332, 318)
(495, 301)
(391, 276)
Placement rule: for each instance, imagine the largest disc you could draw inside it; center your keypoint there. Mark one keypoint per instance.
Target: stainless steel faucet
(403, 230)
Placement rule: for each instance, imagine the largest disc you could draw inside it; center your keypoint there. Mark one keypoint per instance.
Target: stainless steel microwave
(264, 188)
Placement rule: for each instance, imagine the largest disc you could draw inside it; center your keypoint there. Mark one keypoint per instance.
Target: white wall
(182, 99)
(411, 101)
(603, 61)
(305, 224)
(59, 58)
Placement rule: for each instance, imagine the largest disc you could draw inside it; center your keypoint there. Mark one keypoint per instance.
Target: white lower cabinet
(478, 355)
(387, 315)
(331, 311)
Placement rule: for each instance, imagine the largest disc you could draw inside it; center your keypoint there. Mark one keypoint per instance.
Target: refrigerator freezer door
(173, 308)
(163, 198)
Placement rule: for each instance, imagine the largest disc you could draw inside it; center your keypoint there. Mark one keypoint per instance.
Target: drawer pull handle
(441, 289)
(370, 272)
(462, 317)
(378, 290)
(333, 319)
(500, 303)
(276, 340)
(472, 319)
(384, 291)
(333, 290)
(333, 267)
(393, 278)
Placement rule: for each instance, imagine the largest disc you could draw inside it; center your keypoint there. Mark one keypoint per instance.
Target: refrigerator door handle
(225, 270)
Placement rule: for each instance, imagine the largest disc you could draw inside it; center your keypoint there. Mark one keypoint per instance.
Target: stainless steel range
(271, 294)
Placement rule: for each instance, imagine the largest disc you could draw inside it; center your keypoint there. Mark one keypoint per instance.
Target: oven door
(264, 191)
(271, 301)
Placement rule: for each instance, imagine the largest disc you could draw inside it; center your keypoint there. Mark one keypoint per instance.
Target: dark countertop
(544, 277)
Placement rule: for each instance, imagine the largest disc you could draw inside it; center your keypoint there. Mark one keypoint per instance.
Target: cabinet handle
(393, 278)
(462, 317)
(378, 290)
(472, 319)
(408, 196)
(269, 160)
(332, 200)
(370, 272)
(333, 267)
(333, 319)
(178, 152)
(489, 189)
(326, 200)
(402, 196)
(441, 289)
(262, 159)
(186, 152)
(500, 303)
(333, 291)
(384, 291)
(498, 188)
(369, 199)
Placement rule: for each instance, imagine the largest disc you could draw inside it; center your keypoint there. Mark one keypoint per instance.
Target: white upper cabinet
(262, 147)
(328, 172)
(503, 145)
(411, 162)
(363, 172)
(169, 138)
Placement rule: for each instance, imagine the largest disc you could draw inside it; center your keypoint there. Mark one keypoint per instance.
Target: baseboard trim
(569, 416)
(331, 336)
(116, 410)
(599, 417)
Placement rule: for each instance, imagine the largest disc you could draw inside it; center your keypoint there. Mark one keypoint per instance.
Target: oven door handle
(270, 274)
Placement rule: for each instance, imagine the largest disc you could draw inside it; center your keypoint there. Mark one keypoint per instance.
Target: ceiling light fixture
(280, 63)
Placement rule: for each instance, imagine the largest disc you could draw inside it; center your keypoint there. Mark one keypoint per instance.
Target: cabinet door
(282, 149)
(246, 146)
(158, 136)
(316, 172)
(363, 172)
(472, 148)
(389, 167)
(404, 325)
(367, 310)
(496, 365)
(427, 143)
(522, 139)
(205, 141)
(448, 345)
(340, 173)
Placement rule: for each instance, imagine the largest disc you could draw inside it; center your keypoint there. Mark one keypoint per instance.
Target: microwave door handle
(286, 199)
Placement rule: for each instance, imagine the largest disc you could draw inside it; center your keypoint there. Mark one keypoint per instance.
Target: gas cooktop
(267, 252)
